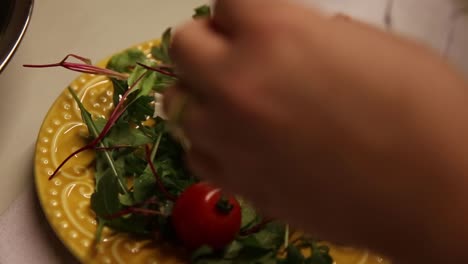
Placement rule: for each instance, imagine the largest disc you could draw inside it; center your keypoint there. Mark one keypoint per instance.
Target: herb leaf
(203, 11)
(122, 134)
(87, 119)
(294, 255)
(125, 61)
(249, 216)
(105, 199)
(161, 52)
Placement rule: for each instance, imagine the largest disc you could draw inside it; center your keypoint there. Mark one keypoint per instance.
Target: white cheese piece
(158, 106)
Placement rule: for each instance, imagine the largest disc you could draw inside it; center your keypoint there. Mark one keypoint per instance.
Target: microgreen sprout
(84, 67)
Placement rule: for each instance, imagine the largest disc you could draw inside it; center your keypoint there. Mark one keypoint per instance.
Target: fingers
(198, 51)
(230, 16)
(174, 103)
(193, 123)
(203, 165)
(192, 119)
(234, 16)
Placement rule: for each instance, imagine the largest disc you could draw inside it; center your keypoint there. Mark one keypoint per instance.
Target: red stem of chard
(131, 209)
(158, 178)
(76, 152)
(163, 70)
(84, 67)
(114, 116)
(136, 210)
(256, 228)
(112, 148)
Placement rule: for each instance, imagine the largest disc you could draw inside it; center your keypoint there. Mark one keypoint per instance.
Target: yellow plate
(66, 198)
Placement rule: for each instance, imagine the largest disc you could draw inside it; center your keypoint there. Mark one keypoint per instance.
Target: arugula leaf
(98, 124)
(173, 178)
(138, 225)
(140, 109)
(122, 134)
(142, 81)
(144, 186)
(85, 115)
(201, 252)
(320, 254)
(233, 250)
(294, 255)
(101, 167)
(271, 237)
(249, 216)
(260, 247)
(100, 227)
(105, 199)
(94, 132)
(135, 164)
(202, 12)
(161, 52)
(125, 61)
(126, 199)
(163, 82)
(119, 87)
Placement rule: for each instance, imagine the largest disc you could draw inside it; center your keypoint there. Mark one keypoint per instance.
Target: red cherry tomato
(203, 216)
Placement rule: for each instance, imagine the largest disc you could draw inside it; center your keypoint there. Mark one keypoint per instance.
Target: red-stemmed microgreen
(117, 112)
(114, 116)
(133, 210)
(166, 67)
(87, 119)
(137, 209)
(164, 70)
(113, 148)
(84, 67)
(149, 158)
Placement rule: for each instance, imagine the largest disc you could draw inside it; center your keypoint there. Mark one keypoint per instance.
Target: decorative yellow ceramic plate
(66, 198)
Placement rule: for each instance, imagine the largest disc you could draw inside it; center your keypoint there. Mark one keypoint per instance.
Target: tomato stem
(224, 206)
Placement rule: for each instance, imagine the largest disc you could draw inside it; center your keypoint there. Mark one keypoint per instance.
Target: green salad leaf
(161, 52)
(202, 11)
(125, 135)
(105, 199)
(126, 61)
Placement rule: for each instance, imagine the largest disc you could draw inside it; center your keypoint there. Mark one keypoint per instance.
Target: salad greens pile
(140, 171)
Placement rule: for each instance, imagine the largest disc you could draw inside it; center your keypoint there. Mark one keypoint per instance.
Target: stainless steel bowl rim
(13, 25)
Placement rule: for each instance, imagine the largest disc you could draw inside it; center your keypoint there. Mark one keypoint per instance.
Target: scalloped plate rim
(57, 100)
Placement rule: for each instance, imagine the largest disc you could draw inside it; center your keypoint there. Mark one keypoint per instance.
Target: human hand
(327, 123)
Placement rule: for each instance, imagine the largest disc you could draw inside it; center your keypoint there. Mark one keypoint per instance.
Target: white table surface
(97, 28)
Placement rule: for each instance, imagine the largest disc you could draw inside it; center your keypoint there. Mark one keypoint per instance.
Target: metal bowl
(14, 20)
